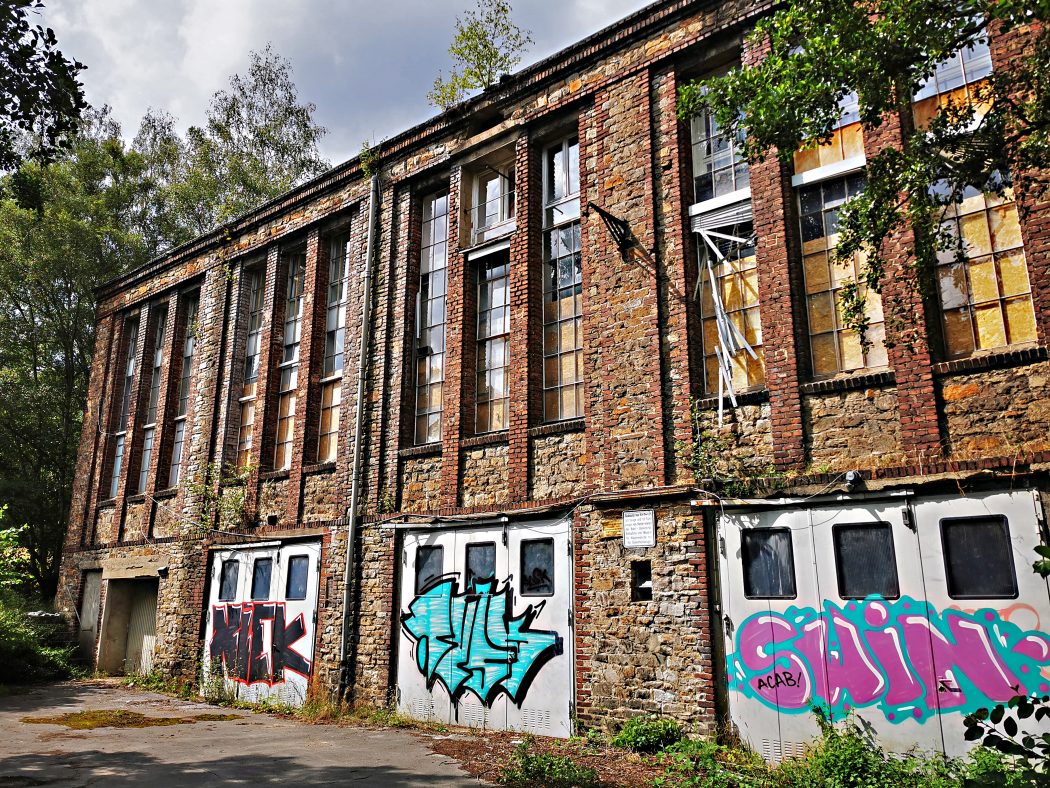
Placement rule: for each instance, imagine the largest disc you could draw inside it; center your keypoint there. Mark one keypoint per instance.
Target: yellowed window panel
(756, 368)
(841, 271)
(807, 159)
(568, 304)
(568, 368)
(852, 353)
(1006, 230)
(825, 360)
(568, 335)
(832, 152)
(710, 330)
(873, 307)
(984, 284)
(435, 396)
(750, 285)
(753, 327)
(739, 377)
(249, 389)
(815, 245)
(958, 332)
(975, 235)
(550, 310)
(990, 329)
(820, 313)
(924, 111)
(732, 297)
(971, 203)
(711, 368)
(499, 415)
(877, 355)
(817, 278)
(1013, 273)
(852, 141)
(1020, 320)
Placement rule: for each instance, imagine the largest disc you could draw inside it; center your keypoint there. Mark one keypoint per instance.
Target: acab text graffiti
(254, 644)
(471, 642)
(904, 658)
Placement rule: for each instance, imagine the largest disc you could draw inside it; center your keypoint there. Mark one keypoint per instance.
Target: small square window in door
(769, 563)
(865, 561)
(481, 563)
(978, 558)
(228, 580)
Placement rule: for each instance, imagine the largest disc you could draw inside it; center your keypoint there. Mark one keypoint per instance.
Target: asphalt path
(254, 749)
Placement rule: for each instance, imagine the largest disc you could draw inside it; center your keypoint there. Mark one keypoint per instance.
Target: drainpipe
(359, 417)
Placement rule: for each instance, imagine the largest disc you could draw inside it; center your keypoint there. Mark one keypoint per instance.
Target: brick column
(460, 311)
(779, 284)
(269, 356)
(594, 385)
(681, 330)
(907, 327)
(311, 358)
(526, 315)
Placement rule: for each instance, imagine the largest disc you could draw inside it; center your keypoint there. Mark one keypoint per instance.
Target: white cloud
(366, 65)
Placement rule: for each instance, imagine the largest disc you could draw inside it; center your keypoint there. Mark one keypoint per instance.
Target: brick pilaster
(526, 315)
(459, 351)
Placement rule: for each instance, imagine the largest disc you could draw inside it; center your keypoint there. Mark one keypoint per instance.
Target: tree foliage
(819, 52)
(40, 97)
(258, 142)
(101, 208)
(486, 46)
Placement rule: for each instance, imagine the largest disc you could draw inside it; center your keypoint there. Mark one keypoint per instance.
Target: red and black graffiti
(238, 642)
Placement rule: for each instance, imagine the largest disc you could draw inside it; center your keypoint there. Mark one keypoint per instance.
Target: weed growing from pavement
(121, 718)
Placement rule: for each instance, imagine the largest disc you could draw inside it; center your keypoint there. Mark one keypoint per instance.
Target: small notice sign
(639, 528)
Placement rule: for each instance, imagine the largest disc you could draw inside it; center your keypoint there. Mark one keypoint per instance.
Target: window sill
(558, 427)
(270, 476)
(850, 382)
(137, 498)
(423, 450)
(488, 439)
(170, 492)
(320, 467)
(109, 503)
(749, 397)
(994, 359)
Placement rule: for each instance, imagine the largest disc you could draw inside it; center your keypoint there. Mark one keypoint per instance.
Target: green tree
(486, 46)
(40, 97)
(258, 142)
(818, 53)
(65, 227)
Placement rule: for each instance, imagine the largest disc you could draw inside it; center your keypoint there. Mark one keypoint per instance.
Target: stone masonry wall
(485, 475)
(420, 483)
(558, 464)
(852, 429)
(1004, 412)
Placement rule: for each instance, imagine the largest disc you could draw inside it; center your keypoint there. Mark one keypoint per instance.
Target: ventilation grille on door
(474, 717)
(422, 708)
(775, 751)
(536, 720)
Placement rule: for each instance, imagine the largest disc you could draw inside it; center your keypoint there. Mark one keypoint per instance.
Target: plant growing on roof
(487, 45)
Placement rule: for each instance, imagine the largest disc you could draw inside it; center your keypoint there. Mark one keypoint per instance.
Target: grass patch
(528, 769)
(120, 718)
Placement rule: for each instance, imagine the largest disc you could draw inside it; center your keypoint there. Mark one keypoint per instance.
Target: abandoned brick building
(428, 436)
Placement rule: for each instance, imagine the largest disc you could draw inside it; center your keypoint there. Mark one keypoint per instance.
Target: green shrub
(28, 650)
(647, 734)
(703, 763)
(540, 770)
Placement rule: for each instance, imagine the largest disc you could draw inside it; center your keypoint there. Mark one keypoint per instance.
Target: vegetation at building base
(817, 54)
(487, 45)
(97, 208)
(527, 769)
(32, 648)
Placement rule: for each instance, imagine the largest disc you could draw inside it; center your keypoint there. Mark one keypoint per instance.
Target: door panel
(479, 647)
(142, 628)
(262, 620)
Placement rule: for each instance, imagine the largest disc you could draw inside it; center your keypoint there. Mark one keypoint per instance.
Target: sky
(366, 65)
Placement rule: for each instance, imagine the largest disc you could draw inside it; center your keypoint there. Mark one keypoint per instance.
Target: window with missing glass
(719, 167)
(978, 558)
(769, 563)
(298, 577)
(228, 576)
(492, 411)
(865, 561)
(481, 563)
(429, 562)
(537, 567)
(262, 571)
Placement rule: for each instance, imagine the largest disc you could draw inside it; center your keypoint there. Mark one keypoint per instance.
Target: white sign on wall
(639, 528)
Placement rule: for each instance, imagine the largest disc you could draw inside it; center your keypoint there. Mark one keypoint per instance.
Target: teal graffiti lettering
(471, 642)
